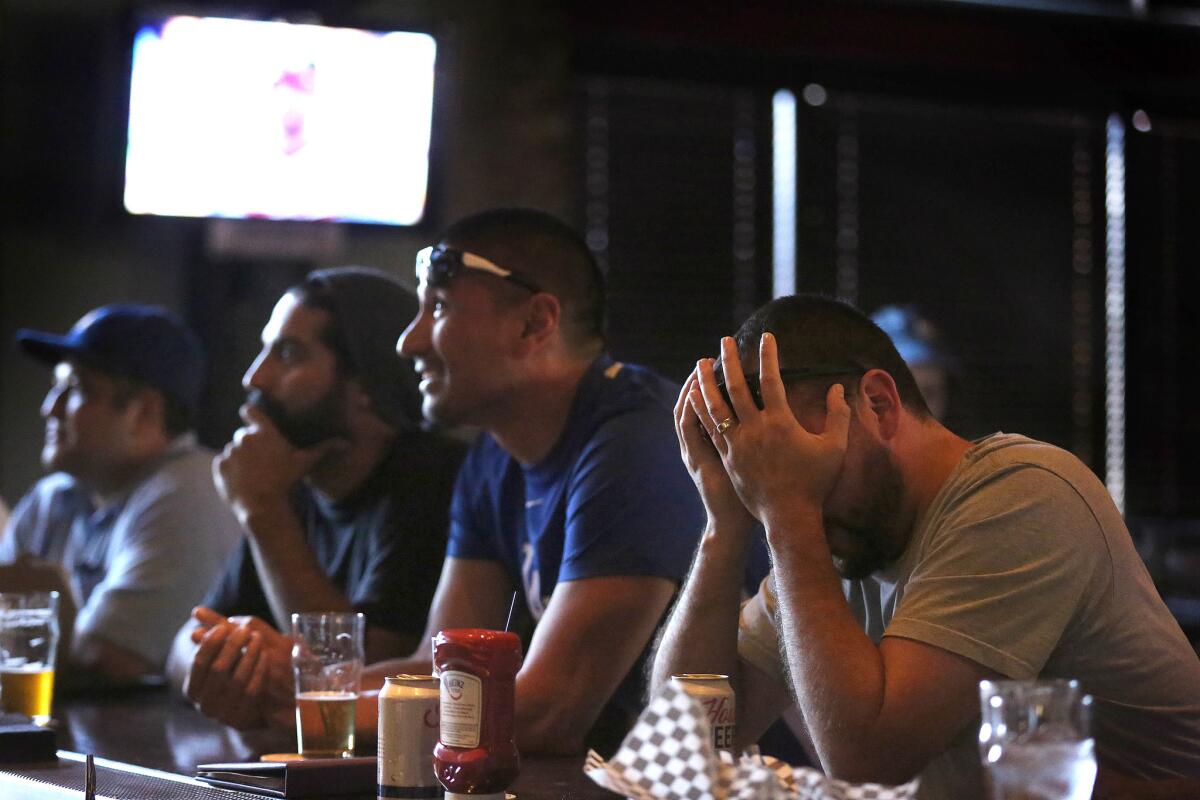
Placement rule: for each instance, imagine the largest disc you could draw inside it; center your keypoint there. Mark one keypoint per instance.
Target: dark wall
(1164, 328)
(502, 135)
(957, 162)
(954, 151)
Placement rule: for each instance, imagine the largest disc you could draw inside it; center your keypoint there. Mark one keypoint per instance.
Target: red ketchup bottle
(476, 755)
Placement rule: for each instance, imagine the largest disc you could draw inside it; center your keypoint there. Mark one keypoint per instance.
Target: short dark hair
(548, 252)
(177, 416)
(813, 329)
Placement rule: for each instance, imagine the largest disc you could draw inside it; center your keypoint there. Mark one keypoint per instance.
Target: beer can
(408, 731)
(716, 695)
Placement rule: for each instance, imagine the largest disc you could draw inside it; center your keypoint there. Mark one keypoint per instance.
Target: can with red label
(716, 695)
(408, 731)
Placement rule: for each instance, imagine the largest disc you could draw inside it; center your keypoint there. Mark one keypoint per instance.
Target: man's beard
(324, 419)
(873, 527)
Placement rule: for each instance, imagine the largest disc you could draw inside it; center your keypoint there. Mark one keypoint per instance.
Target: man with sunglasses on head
(908, 565)
(572, 496)
(342, 495)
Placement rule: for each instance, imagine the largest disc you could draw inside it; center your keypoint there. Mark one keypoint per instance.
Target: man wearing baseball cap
(129, 509)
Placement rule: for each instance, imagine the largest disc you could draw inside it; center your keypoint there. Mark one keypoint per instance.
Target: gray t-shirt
(140, 563)
(1023, 564)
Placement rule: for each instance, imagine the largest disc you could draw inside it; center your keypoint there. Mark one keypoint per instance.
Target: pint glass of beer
(327, 660)
(28, 645)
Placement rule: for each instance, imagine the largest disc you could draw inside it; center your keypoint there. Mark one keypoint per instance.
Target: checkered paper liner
(670, 754)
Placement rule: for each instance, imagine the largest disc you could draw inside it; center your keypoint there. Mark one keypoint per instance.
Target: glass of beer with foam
(28, 646)
(327, 659)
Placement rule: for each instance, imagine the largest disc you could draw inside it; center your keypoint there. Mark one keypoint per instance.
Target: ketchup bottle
(476, 755)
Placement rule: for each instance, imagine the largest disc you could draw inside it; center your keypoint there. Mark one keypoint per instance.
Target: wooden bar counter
(152, 728)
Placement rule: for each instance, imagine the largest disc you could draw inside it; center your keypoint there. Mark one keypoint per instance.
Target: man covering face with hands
(908, 564)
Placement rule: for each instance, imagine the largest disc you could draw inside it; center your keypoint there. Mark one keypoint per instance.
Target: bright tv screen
(248, 119)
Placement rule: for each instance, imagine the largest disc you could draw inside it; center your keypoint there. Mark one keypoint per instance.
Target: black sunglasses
(788, 375)
(436, 265)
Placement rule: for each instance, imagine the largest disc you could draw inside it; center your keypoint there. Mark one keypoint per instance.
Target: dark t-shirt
(382, 545)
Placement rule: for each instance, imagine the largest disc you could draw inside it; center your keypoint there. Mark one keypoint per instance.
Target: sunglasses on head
(436, 265)
(788, 375)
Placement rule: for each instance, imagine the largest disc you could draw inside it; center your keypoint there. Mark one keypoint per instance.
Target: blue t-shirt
(611, 498)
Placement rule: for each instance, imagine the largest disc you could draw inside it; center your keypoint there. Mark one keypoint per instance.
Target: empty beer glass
(1035, 740)
(327, 660)
(28, 646)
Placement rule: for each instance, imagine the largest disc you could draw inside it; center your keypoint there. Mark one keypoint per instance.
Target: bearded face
(862, 539)
(310, 425)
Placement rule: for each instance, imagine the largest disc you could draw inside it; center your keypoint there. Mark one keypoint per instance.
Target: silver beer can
(716, 695)
(408, 731)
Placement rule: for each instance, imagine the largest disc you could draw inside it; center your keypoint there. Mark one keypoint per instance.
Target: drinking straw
(511, 606)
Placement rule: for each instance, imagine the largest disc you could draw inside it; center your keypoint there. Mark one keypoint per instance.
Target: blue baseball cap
(146, 343)
(914, 336)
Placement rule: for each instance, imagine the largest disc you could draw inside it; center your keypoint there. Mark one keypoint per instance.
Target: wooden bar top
(151, 727)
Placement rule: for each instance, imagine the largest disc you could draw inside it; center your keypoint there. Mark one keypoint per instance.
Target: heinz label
(461, 709)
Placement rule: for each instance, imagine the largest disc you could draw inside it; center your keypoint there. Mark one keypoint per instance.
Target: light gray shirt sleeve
(8, 543)
(18, 528)
(1004, 573)
(172, 539)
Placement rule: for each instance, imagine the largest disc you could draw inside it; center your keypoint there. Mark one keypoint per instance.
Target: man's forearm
(552, 720)
(701, 632)
(586, 643)
(110, 662)
(416, 664)
(836, 670)
(291, 576)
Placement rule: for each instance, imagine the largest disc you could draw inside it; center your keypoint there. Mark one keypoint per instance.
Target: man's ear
(542, 319)
(361, 414)
(147, 410)
(357, 398)
(882, 398)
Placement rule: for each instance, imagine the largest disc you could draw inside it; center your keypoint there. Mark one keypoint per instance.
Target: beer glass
(1035, 740)
(28, 646)
(327, 660)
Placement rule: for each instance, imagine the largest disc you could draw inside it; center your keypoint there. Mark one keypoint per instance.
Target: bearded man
(343, 496)
(908, 564)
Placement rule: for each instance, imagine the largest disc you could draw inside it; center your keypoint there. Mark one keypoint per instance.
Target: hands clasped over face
(748, 462)
(242, 671)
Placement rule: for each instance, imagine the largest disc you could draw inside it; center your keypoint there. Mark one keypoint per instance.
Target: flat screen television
(247, 119)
